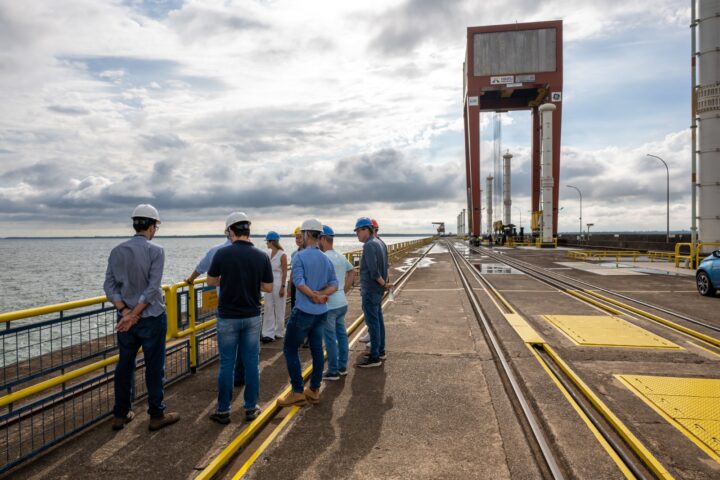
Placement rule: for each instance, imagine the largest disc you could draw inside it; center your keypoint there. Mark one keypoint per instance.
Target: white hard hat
(145, 210)
(311, 224)
(236, 217)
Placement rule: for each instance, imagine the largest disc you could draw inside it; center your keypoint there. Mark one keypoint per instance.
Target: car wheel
(704, 285)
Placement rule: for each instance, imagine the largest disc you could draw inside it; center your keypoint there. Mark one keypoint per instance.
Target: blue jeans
(148, 333)
(238, 336)
(371, 307)
(336, 339)
(303, 325)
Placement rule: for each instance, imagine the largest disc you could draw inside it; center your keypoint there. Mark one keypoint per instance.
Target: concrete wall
(524, 51)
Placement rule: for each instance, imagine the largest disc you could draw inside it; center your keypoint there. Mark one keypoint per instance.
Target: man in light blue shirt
(314, 277)
(336, 338)
(204, 265)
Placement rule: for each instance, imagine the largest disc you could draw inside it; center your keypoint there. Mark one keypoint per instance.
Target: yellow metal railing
(173, 311)
(42, 384)
(679, 255)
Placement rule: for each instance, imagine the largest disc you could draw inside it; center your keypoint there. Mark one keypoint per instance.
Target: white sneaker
(365, 338)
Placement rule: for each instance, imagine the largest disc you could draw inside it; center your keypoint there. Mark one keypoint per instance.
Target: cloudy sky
(287, 109)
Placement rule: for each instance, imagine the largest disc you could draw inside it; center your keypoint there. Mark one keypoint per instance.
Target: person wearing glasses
(132, 285)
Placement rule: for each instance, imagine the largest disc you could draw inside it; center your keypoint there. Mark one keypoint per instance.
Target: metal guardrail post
(192, 315)
(171, 310)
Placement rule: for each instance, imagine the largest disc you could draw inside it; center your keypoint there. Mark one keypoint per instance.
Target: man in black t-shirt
(241, 271)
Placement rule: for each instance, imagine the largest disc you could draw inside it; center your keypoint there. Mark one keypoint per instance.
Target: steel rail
(640, 302)
(538, 434)
(570, 287)
(272, 408)
(554, 365)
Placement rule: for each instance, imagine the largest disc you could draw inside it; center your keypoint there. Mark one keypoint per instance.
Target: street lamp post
(579, 193)
(520, 212)
(667, 215)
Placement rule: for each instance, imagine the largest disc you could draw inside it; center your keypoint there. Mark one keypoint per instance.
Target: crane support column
(547, 182)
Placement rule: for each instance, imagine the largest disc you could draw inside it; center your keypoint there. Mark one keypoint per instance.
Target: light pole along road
(667, 215)
(579, 193)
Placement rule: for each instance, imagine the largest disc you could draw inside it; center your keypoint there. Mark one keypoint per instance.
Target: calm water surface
(37, 272)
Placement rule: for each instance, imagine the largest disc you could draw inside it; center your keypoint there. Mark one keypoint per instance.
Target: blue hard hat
(272, 236)
(363, 222)
(327, 232)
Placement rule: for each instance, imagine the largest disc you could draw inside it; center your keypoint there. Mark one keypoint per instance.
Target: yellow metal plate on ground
(607, 331)
(692, 405)
(523, 328)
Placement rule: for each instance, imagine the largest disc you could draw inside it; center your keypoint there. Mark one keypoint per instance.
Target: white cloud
(127, 104)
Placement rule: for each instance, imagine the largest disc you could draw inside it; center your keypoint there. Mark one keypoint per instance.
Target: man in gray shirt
(132, 285)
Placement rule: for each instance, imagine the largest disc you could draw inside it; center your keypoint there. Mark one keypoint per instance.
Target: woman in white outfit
(274, 314)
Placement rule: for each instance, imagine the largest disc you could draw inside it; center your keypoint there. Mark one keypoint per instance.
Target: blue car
(707, 277)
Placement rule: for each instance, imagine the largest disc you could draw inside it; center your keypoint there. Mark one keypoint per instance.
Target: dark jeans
(238, 337)
(149, 333)
(371, 307)
(303, 325)
(239, 369)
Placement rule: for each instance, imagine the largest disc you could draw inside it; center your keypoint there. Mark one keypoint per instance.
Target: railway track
(630, 455)
(611, 301)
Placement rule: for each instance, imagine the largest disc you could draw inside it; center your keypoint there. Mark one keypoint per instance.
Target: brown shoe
(119, 423)
(292, 399)
(313, 396)
(156, 423)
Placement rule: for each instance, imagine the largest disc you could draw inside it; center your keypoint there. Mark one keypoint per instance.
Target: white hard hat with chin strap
(145, 210)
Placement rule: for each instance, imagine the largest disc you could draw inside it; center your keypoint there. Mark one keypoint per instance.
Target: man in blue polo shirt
(373, 284)
(241, 271)
(315, 280)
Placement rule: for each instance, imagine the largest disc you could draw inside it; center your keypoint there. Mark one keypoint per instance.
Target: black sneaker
(342, 372)
(267, 339)
(331, 376)
(221, 418)
(251, 415)
(383, 356)
(369, 362)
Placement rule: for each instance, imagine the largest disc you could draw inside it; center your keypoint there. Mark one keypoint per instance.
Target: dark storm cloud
(68, 110)
(195, 23)
(416, 21)
(162, 141)
(385, 176)
(39, 174)
(253, 132)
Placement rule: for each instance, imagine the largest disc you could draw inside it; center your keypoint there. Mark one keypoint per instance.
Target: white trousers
(274, 314)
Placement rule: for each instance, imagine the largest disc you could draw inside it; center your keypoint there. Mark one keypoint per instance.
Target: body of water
(37, 272)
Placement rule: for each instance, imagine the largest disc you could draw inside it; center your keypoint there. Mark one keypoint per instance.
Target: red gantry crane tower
(513, 67)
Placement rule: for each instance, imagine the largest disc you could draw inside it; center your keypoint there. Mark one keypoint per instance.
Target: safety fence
(684, 251)
(692, 254)
(57, 362)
